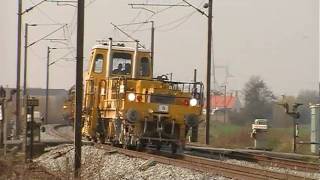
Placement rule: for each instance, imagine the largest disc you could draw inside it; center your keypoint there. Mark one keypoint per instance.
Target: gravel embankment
(99, 164)
(275, 169)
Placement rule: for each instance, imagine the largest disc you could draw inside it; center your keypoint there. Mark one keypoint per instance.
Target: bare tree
(258, 99)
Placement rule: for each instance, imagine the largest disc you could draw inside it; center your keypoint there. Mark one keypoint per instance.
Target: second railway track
(262, 159)
(206, 165)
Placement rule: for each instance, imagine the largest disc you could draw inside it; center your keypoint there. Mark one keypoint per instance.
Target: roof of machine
(120, 48)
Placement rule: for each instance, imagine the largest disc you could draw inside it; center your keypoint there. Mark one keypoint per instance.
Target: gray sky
(275, 39)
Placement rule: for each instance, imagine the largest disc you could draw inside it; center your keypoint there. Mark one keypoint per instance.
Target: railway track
(286, 163)
(263, 160)
(205, 164)
(214, 167)
(53, 131)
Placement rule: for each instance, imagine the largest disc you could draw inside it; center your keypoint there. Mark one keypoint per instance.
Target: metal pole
(135, 61)
(1, 122)
(47, 88)
(5, 133)
(79, 89)
(25, 88)
(194, 85)
(31, 133)
(294, 136)
(208, 71)
(25, 61)
(18, 68)
(152, 44)
(225, 103)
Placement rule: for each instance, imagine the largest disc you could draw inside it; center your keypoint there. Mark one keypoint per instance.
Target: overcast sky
(275, 39)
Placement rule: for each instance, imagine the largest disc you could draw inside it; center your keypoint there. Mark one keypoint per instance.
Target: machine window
(144, 67)
(98, 63)
(121, 63)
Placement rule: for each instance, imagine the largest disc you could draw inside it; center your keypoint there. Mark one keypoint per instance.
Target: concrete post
(315, 128)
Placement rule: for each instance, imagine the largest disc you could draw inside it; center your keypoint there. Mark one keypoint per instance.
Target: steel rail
(205, 165)
(266, 160)
(287, 163)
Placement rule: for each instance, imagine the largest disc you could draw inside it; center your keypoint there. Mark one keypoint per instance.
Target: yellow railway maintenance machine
(125, 105)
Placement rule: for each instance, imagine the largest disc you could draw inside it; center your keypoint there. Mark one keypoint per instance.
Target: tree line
(261, 103)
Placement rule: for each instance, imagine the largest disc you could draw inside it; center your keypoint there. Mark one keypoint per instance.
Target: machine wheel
(94, 139)
(88, 138)
(139, 146)
(113, 142)
(124, 146)
(102, 139)
(158, 146)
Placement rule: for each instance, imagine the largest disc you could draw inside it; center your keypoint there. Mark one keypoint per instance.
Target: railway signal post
(31, 103)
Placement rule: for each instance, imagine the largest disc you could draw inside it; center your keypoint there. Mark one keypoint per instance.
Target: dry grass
(13, 167)
(236, 136)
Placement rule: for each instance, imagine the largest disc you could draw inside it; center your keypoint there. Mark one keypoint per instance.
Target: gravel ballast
(103, 164)
(100, 164)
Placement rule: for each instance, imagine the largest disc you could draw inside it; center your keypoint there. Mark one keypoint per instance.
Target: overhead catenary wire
(129, 36)
(43, 13)
(46, 36)
(181, 21)
(160, 5)
(154, 14)
(138, 14)
(71, 29)
(59, 59)
(172, 22)
(90, 3)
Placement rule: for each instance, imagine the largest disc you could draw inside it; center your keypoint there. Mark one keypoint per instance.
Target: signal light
(186, 102)
(193, 102)
(131, 97)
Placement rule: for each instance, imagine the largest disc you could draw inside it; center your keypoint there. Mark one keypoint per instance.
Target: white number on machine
(163, 108)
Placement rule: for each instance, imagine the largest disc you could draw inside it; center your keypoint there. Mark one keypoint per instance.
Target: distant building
(222, 105)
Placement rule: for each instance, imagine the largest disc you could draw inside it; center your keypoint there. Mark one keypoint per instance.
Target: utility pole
(208, 106)
(25, 60)
(26, 45)
(152, 44)
(47, 88)
(18, 111)
(18, 68)
(79, 90)
(209, 16)
(47, 81)
(24, 142)
(225, 103)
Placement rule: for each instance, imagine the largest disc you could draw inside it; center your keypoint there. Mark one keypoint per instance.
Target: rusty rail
(265, 160)
(214, 167)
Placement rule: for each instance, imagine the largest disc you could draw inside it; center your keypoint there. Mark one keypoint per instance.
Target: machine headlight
(193, 102)
(131, 96)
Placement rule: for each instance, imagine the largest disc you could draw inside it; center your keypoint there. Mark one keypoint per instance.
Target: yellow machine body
(125, 105)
